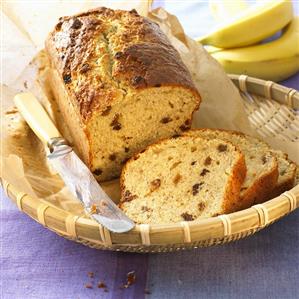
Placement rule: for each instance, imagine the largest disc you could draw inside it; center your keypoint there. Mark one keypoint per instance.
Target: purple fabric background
(36, 263)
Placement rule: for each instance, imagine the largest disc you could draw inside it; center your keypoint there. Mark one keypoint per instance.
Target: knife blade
(75, 174)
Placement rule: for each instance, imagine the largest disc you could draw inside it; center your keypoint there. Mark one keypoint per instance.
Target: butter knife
(75, 174)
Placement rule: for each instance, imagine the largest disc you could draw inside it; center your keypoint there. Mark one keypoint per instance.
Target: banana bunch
(235, 45)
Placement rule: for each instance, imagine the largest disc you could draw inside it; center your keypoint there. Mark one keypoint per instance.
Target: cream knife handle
(36, 116)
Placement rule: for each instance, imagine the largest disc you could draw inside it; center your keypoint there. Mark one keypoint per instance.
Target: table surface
(36, 263)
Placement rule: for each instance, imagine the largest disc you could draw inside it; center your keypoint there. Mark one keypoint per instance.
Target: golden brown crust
(260, 190)
(232, 192)
(103, 54)
(75, 126)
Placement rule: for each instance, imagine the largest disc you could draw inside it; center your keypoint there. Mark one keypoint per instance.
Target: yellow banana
(253, 25)
(225, 9)
(275, 60)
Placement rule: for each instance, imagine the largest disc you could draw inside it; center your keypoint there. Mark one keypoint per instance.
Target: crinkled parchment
(23, 161)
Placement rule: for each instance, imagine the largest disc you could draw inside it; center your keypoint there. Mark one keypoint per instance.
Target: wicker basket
(272, 111)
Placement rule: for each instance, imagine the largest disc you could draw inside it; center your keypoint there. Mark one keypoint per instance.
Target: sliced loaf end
(262, 166)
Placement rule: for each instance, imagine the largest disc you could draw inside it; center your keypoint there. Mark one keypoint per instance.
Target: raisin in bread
(182, 178)
(119, 84)
(287, 174)
(262, 166)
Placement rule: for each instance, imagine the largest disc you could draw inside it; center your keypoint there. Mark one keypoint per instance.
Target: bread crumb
(88, 286)
(131, 279)
(93, 210)
(101, 285)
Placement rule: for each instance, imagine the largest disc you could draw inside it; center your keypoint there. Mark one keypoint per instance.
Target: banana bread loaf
(182, 178)
(119, 84)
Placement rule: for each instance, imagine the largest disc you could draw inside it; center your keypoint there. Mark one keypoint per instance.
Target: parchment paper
(23, 161)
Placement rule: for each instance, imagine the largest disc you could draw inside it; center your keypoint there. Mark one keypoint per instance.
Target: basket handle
(36, 117)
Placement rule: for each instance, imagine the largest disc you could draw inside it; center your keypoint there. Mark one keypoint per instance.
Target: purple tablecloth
(36, 263)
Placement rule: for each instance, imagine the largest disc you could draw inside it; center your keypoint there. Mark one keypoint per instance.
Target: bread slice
(182, 178)
(287, 174)
(262, 165)
(119, 84)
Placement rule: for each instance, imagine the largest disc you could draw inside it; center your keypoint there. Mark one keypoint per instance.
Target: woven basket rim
(83, 230)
